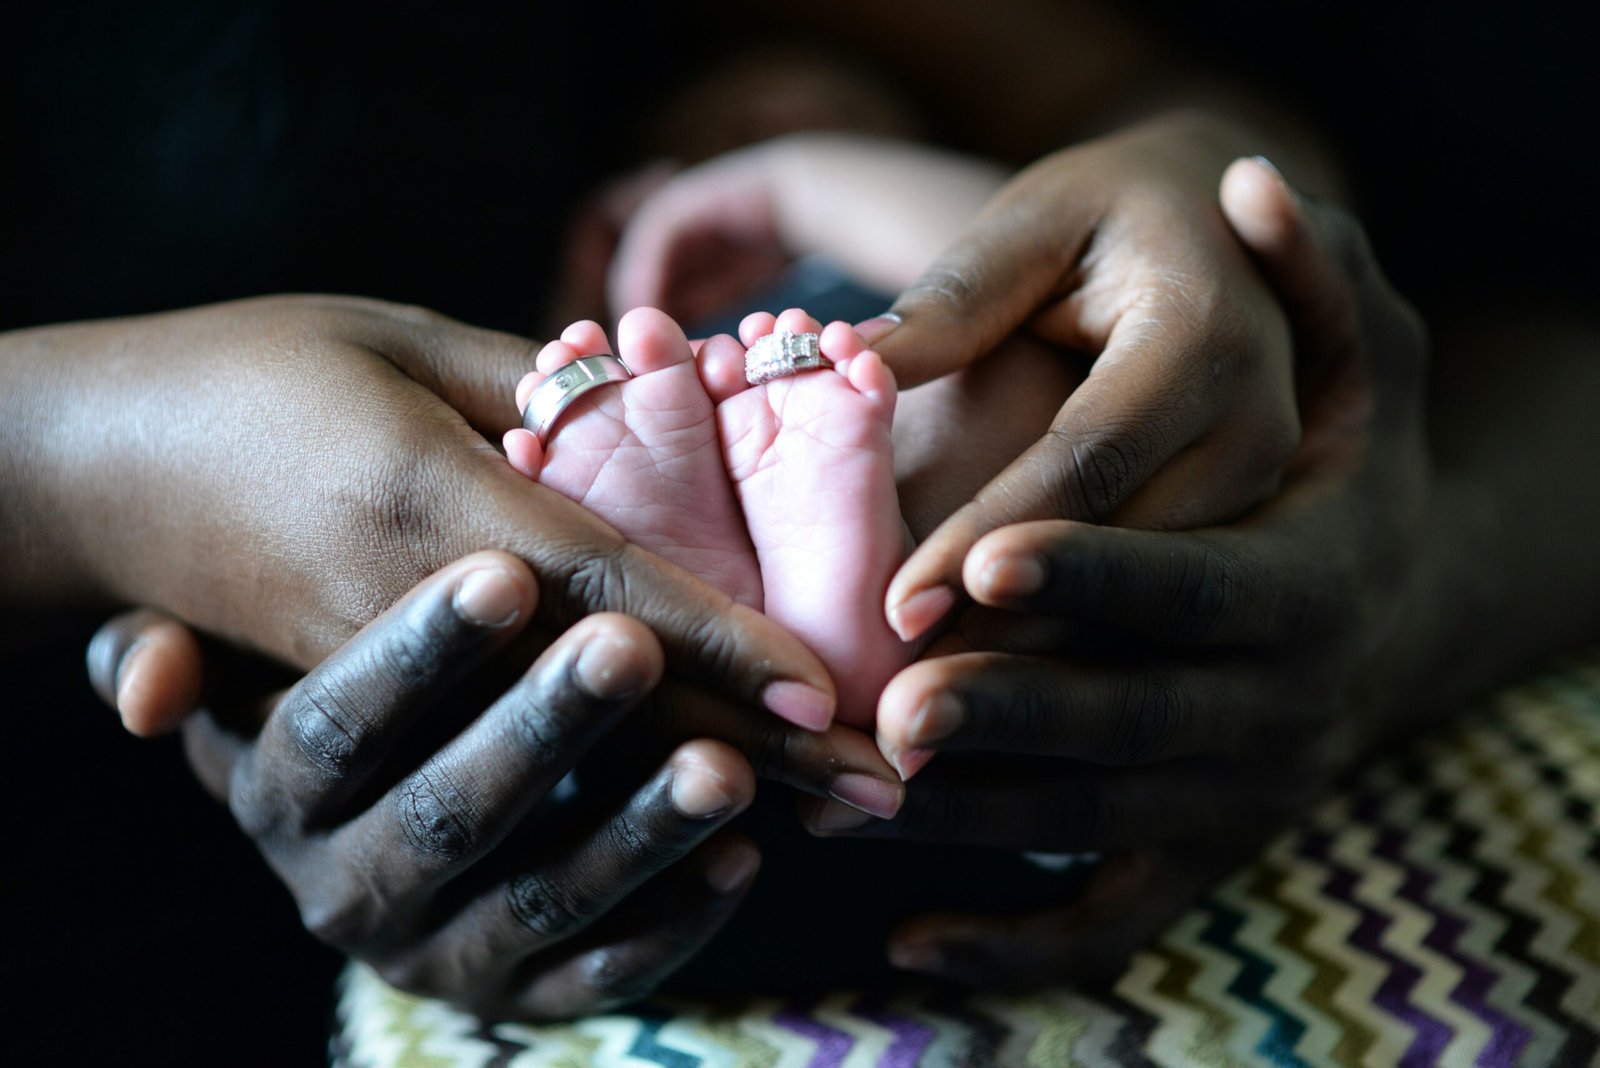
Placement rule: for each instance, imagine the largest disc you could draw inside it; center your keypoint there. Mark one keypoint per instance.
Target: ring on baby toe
(782, 354)
(565, 385)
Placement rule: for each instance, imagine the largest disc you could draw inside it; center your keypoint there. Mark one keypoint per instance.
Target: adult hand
(1113, 252)
(715, 233)
(277, 471)
(405, 791)
(1175, 697)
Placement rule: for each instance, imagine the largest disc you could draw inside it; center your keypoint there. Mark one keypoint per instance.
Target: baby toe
(796, 321)
(587, 337)
(651, 340)
(756, 325)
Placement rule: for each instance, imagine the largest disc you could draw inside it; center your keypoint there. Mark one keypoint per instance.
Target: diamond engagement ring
(781, 354)
(556, 393)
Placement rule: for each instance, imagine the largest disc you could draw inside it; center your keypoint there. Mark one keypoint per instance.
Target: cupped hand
(1114, 253)
(711, 235)
(406, 791)
(277, 471)
(1175, 697)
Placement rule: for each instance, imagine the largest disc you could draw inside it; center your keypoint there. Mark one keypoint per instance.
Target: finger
(1105, 714)
(840, 762)
(724, 204)
(1221, 587)
(463, 801)
(702, 786)
(626, 956)
(148, 667)
(1321, 264)
(336, 726)
(1006, 266)
(1165, 380)
(472, 369)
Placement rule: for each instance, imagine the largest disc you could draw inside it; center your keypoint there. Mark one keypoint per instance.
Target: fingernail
(911, 761)
(937, 718)
(913, 616)
(837, 816)
(875, 797)
(804, 706)
(1013, 577)
(914, 956)
(699, 794)
(1269, 165)
(488, 597)
(610, 667)
(127, 668)
(878, 327)
(732, 869)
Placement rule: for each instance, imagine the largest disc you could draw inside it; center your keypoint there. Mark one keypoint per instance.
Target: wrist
(44, 479)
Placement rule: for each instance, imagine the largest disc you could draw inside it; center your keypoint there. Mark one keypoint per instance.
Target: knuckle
(548, 909)
(436, 817)
(1144, 728)
(613, 979)
(1206, 591)
(598, 582)
(323, 726)
(1101, 471)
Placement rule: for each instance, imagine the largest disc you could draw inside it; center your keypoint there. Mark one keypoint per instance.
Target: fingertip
(158, 680)
(1259, 205)
(733, 865)
(493, 590)
(710, 779)
(1000, 572)
(800, 703)
(619, 658)
(912, 611)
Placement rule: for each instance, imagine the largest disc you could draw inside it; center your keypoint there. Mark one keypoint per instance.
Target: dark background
(158, 155)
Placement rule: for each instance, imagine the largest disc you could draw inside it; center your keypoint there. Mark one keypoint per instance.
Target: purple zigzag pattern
(911, 1037)
(1508, 1037)
(1394, 993)
(832, 1044)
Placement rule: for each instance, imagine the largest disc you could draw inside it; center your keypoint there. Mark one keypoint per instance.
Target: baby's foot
(811, 457)
(644, 455)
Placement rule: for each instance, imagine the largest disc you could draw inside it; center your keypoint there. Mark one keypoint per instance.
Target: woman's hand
(277, 471)
(1112, 252)
(1174, 698)
(406, 792)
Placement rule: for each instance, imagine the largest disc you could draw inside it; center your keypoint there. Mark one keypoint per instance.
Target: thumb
(983, 288)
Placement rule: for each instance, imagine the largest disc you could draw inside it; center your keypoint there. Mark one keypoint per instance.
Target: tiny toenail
(488, 597)
(1011, 577)
(938, 718)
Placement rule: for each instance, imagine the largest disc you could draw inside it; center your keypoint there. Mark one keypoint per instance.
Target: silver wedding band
(556, 393)
(782, 354)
